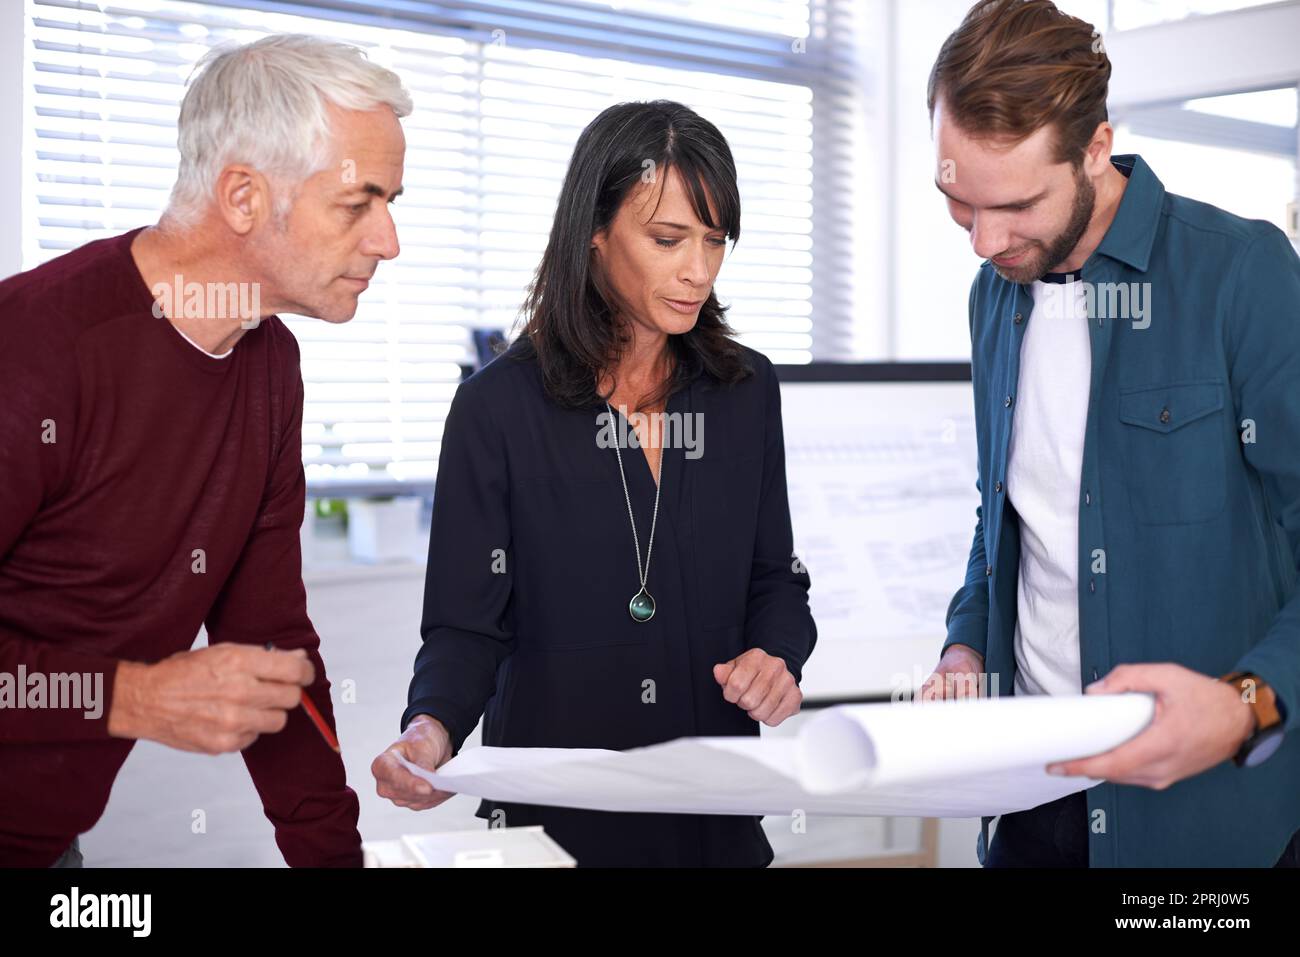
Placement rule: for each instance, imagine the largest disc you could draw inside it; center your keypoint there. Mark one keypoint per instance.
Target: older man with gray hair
(150, 448)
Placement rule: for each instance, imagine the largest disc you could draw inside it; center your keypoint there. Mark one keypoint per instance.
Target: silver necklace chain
(643, 575)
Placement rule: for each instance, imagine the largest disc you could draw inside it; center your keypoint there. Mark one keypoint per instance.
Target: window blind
(501, 91)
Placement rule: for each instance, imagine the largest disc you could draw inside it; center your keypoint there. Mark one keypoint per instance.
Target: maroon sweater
(158, 450)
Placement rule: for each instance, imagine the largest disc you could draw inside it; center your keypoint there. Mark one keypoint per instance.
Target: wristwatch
(1269, 718)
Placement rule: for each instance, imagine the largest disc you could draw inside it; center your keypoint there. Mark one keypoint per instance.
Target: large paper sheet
(964, 758)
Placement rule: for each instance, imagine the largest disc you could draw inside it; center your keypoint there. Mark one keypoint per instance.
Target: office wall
(934, 263)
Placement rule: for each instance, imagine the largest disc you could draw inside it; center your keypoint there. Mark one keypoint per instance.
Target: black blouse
(531, 568)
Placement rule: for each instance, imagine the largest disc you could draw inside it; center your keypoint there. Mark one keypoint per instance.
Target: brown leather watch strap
(1263, 702)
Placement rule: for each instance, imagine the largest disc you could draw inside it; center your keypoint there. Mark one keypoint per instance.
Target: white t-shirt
(1044, 471)
(212, 355)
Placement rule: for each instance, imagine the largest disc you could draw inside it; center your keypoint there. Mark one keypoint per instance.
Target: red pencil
(316, 717)
(318, 720)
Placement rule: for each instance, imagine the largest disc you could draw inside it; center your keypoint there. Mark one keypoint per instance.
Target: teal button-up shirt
(1188, 504)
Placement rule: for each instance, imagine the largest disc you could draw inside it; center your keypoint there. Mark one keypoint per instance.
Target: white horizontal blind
(497, 111)
(778, 17)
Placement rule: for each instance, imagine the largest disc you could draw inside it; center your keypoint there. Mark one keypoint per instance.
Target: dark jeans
(71, 857)
(1056, 835)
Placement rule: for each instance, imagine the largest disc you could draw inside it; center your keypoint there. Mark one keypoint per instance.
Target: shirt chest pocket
(1173, 447)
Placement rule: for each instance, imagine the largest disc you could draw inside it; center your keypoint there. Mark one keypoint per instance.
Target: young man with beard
(1136, 366)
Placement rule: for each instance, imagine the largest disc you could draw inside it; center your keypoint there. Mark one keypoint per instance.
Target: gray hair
(264, 104)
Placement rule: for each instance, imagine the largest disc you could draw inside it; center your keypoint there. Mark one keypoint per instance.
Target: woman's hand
(426, 743)
(761, 684)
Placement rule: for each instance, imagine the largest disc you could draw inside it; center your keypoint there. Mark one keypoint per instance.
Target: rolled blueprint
(964, 758)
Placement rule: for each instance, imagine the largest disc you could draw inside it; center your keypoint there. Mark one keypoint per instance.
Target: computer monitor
(881, 466)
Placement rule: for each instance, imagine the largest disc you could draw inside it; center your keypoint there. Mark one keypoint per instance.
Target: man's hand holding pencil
(212, 700)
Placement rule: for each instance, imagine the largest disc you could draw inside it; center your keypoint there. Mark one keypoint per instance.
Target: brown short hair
(1014, 66)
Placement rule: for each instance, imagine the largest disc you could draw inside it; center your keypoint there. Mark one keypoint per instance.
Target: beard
(1056, 251)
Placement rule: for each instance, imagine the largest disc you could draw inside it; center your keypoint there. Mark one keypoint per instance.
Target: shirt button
(1087, 498)
(988, 571)
(1007, 402)
(1164, 414)
(997, 487)
(1019, 318)
(1092, 585)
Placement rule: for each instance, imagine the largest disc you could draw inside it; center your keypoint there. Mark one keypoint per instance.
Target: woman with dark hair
(576, 458)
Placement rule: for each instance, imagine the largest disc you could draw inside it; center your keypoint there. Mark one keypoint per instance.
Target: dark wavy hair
(569, 318)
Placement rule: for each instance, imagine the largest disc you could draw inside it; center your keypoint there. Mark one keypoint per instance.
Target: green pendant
(642, 606)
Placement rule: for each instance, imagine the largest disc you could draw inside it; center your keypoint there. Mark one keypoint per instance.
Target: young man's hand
(1199, 722)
